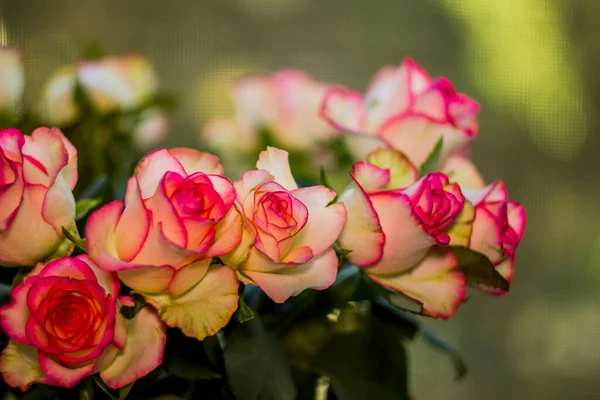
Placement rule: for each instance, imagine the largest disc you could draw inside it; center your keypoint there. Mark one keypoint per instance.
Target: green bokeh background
(533, 65)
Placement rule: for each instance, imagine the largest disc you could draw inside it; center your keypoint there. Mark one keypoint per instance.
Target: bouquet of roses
(168, 276)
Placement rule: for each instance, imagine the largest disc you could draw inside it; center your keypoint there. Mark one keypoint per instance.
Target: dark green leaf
(73, 237)
(431, 162)
(83, 207)
(185, 358)
(40, 392)
(244, 312)
(124, 391)
(394, 318)
(256, 365)
(368, 364)
(478, 269)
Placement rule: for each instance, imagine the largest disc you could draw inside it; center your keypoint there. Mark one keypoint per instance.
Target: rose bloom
(11, 80)
(287, 103)
(498, 226)
(178, 215)
(64, 324)
(406, 109)
(288, 231)
(398, 230)
(37, 174)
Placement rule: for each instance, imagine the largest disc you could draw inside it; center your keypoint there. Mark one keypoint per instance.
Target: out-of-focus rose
(397, 230)
(118, 81)
(229, 137)
(498, 226)
(64, 324)
(154, 126)
(178, 215)
(37, 175)
(407, 110)
(288, 231)
(57, 105)
(112, 82)
(11, 80)
(287, 104)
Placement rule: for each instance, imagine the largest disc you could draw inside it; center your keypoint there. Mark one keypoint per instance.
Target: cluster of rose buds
(186, 236)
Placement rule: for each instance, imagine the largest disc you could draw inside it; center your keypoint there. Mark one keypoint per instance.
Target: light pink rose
(178, 215)
(37, 174)
(407, 110)
(288, 232)
(498, 226)
(398, 230)
(64, 324)
(12, 80)
(287, 103)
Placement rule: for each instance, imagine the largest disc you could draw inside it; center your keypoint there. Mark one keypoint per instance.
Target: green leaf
(367, 364)
(112, 394)
(124, 391)
(83, 207)
(244, 313)
(432, 159)
(256, 365)
(74, 237)
(478, 269)
(185, 358)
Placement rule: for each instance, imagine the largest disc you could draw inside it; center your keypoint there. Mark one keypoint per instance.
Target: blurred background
(533, 65)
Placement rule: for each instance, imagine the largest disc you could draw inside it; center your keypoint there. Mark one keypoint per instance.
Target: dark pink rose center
(196, 197)
(436, 208)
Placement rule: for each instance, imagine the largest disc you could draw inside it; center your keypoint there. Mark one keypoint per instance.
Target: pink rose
(407, 110)
(64, 324)
(498, 226)
(178, 215)
(286, 102)
(37, 174)
(397, 230)
(288, 232)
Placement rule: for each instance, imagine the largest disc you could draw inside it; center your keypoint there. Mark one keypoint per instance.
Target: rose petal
(14, 315)
(462, 171)
(238, 255)
(462, 227)
(153, 279)
(275, 161)
(108, 280)
(44, 156)
(361, 145)
(402, 172)
(133, 225)
(344, 110)
(317, 274)
(28, 224)
(188, 276)
(153, 167)
(164, 213)
(516, 218)
(196, 161)
(65, 377)
(370, 177)
(73, 268)
(362, 232)
(19, 365)
(203, 310)
(486, 236)
(324, 224)
(228, 234)
(406, 243)
(58, 209)
(434, 282)
(143, 351)
(69, 173)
